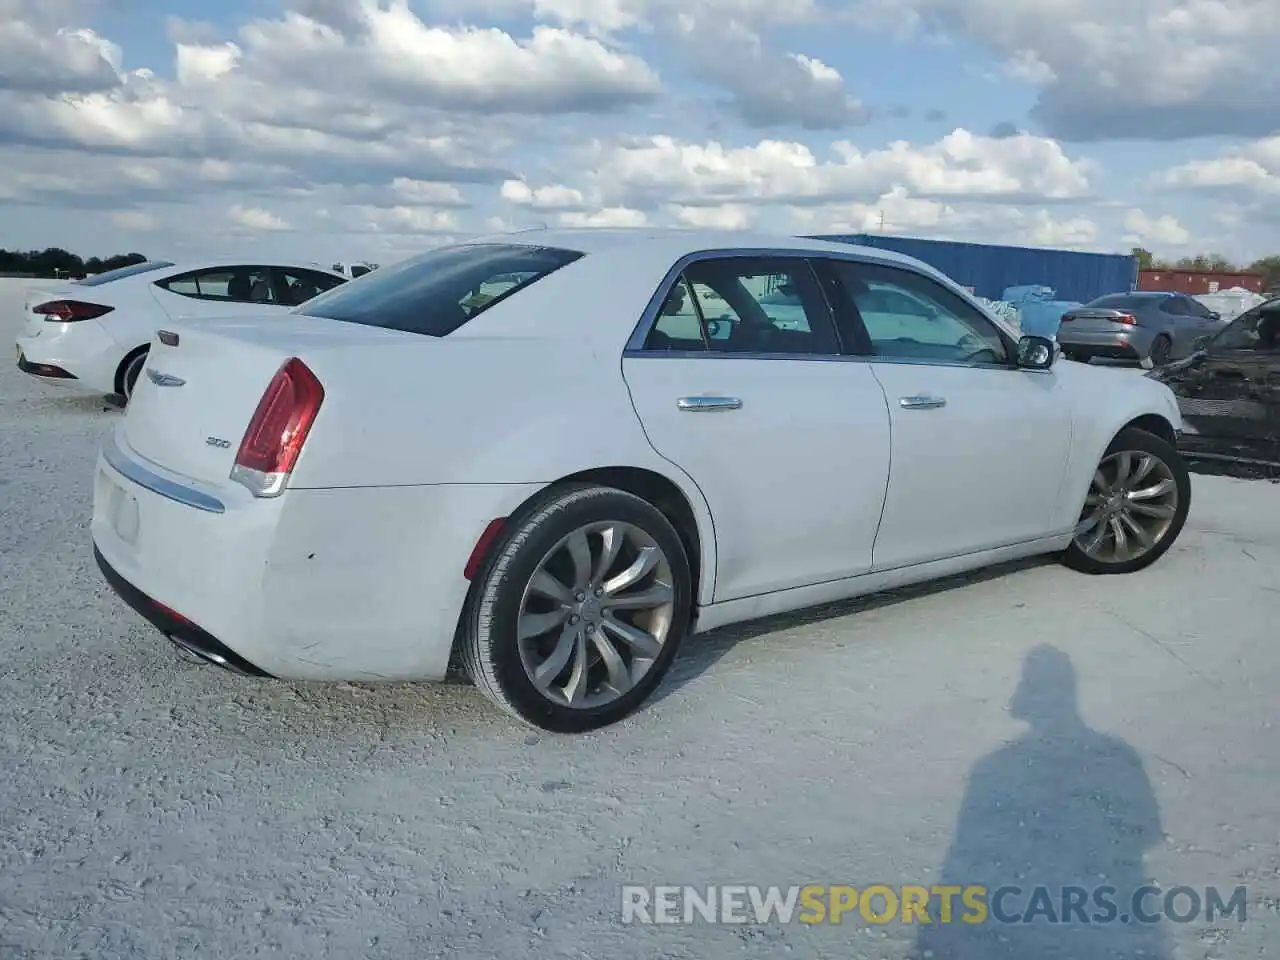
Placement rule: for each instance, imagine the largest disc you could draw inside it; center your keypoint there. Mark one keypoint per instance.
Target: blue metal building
(990, 270)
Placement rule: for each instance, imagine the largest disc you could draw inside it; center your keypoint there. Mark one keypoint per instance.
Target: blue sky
(338, 129)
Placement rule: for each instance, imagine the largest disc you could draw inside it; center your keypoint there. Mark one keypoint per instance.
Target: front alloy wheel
(1135, 508)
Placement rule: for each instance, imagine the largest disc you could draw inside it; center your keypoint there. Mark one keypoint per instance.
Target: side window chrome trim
(649, 316)
(821, 358)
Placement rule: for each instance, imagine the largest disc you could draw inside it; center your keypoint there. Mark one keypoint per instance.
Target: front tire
(580, 611)
(1136, 506)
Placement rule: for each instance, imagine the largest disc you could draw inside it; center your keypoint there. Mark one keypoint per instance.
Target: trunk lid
(1089, 320)
(195, 399)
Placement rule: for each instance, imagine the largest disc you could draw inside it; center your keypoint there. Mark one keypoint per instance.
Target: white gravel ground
(154, 809)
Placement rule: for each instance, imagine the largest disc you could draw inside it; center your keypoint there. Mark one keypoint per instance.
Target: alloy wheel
(1131, 505)
(595, 614)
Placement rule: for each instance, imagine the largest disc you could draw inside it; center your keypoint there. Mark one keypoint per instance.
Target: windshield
(98, 279)
(439, 291)
(1256, 329)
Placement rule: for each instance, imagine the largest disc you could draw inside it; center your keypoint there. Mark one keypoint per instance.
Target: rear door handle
(708, 404)
(922, 403)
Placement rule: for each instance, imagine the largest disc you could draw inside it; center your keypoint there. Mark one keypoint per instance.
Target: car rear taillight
(278, 430)
(1066, 318)
(1127, 319)
(69, 311)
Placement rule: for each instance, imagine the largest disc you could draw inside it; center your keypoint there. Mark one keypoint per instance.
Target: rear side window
(98, 279)
(439, 291)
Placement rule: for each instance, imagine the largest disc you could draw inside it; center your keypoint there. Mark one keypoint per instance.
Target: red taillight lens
(278, 430)
(1127, 319)
(69, 311)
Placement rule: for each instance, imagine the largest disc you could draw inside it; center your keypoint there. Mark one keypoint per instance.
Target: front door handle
(922, 403)
(708, 404)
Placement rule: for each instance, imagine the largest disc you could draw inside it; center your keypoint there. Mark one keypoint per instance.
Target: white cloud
(1249, 171)
(605, 217)
(552, 197)
(255, 218)
(645, 173)
(898, 213)
(729, 216)
(133, 221)
(1168, 69)
(1158, 232)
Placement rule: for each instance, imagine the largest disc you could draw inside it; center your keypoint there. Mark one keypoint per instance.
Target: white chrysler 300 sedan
(552, 455)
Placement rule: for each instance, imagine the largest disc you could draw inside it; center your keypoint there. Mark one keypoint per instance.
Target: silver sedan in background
(1136, 326)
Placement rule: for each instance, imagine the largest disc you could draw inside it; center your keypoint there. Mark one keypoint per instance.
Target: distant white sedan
(553, 455)
(92, 335)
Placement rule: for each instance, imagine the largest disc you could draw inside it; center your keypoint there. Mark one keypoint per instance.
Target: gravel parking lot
(155, 809)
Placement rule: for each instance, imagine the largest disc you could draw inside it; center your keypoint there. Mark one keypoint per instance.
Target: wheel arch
(688, 513)
(124, 365)
(1151, 423)
(1133, 408)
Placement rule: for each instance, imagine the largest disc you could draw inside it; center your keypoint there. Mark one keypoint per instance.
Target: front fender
(1105, 402)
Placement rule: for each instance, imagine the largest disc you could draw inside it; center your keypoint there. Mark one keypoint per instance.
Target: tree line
(1268, 268)
(56, 262)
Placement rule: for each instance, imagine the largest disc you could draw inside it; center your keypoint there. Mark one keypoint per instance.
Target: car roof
(676, 242)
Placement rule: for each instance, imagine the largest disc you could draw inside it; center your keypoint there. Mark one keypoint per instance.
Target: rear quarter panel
(1104, 402)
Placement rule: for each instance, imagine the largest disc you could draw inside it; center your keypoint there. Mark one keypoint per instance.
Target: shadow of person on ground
(1063, 808)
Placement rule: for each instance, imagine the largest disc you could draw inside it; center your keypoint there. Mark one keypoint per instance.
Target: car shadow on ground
(1062, 816)
(1237, 471)
(700, 653)
(62, 404)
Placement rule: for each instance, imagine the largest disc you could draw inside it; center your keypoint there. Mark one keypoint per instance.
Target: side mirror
(1201, 342)
(1035, 353)
(1214, 315)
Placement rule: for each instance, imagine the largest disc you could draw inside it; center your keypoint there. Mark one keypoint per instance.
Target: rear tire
(1161, 348)
(1143, 489)
(577, 615)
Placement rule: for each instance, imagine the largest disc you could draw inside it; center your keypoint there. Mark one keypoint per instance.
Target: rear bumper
(1130, 344)
(355, 584)
(83, 351)
(181, 631)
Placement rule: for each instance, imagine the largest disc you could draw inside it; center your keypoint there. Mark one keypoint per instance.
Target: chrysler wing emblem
(164, 379)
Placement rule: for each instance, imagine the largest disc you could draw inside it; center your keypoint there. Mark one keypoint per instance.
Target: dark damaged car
(1229, 391)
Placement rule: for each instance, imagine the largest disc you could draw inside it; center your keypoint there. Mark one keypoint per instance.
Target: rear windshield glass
(1118, 301)
(121, 272)
(439, 291)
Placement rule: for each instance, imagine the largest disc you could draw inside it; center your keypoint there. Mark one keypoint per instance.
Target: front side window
(907, 316)
(1256, 329)
(439, 291)
(746, 305)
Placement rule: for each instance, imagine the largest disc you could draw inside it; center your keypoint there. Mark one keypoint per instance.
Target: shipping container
(1197, 282)
(989, 270)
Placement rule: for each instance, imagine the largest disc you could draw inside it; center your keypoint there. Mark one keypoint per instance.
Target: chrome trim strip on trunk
(133, 468)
